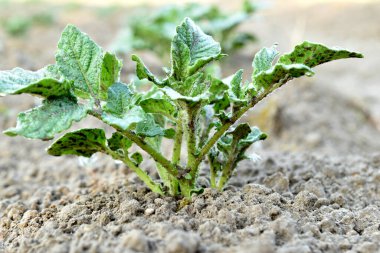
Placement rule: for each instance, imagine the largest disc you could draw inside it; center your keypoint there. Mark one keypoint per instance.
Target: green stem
(212, 174)
(144, 177)
(186, 187)
(139, 172)
(169, 181)
(192, 113)
(235, 117)
(176, 158)
(227, 169)
(170, 167)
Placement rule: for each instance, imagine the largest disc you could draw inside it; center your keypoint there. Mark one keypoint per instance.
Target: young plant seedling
(196, 110)
(155, 32)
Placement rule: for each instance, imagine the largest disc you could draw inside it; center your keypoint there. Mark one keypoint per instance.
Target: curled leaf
(314, 54)
(41, 83)
(143, 72)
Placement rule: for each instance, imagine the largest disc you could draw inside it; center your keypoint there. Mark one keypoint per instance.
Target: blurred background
(335, 112)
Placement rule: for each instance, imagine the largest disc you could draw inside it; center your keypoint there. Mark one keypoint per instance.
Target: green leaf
(148, 127)
(169, 133)
(40, 83)
(191, 41)
(236, 84)
(125, 121)
(279, 75)
(119, 142)
(225, 24)
(239, 139)
(52, 117)
(213, 157)
(174, 95)
(292, 65)
(160, 106)
(234, 144)
(110, 73)
(204, 125)
(240, 131)
(312, 54)
(237, 41)
(119, 99)
(222, 104)
(84, 142)
(137, 158)
(181, 58)
(79, 59)
(193, 85)
(135, 118)
(264, 59)
(249, 6)
(143, 72)
(217, 88)
(255, 135)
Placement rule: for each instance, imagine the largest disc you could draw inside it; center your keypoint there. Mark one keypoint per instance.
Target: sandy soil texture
(285, 203)
(316, 188)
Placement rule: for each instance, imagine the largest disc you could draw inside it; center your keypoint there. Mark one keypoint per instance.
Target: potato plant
(195, 110)
(155, 32)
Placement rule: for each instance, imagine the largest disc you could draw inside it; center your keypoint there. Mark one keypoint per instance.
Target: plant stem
(212, 174)
(186, 187)
(235, 117)
(144, 176)
(139, 172)
(227, 169)
(192, 113)
(169, 181)
(170, 167)
(176, 158)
